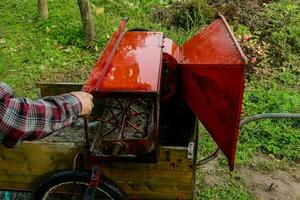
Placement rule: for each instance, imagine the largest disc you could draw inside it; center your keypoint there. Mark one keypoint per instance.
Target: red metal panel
(171, 49)
(213, 45)
(106, 55)
(212, 83)
(136, 65)
(171, 58)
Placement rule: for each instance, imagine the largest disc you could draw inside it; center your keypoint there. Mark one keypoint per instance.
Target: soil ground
(279, 184)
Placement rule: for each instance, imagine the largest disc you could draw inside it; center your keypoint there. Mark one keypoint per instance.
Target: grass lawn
(33, 50)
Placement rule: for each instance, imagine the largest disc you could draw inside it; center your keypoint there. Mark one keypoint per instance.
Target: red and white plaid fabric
(25, 119)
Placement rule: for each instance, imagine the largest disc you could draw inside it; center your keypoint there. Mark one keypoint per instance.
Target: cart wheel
(61, 186)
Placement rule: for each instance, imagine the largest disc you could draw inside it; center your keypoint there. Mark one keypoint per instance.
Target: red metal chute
(212, 83)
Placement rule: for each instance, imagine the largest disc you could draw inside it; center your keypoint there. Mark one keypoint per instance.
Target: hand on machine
(86, 101)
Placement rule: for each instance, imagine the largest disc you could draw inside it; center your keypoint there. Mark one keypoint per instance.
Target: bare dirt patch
(278, 184)
(275, 185)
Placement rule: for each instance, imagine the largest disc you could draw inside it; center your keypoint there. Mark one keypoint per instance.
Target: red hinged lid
(131, 62)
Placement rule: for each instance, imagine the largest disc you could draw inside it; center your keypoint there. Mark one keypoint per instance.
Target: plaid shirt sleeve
(24, 119)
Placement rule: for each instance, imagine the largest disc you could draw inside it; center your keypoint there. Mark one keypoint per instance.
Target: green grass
(33, 50)
(280, 25)
(278, 137)
(230, 190)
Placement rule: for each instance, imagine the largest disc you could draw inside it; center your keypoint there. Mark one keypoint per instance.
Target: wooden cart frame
(173, 177)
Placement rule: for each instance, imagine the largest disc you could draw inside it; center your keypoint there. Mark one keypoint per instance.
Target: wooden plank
(25, 167)
(50, 89)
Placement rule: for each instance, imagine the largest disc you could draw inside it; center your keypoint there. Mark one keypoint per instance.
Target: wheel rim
(66, 191)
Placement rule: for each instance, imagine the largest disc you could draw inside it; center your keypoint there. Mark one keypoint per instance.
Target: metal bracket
(94, 182)
(190, 154)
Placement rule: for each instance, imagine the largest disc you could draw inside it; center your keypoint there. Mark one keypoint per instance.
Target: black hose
(209, 158)
(270, 116)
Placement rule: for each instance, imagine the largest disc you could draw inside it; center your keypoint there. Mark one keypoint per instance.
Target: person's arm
(24, 119)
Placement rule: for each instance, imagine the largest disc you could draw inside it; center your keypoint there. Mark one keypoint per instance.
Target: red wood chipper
(144, 83)
(148, 91)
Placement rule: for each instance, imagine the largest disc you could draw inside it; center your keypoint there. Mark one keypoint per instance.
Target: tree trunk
(43, 9)
(88, 22)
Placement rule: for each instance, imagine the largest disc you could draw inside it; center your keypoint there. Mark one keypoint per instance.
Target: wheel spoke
(66, 191)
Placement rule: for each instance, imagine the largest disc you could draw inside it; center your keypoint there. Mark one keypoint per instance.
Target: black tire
(107, 189)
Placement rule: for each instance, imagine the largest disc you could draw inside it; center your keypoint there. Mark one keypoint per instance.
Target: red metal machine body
(203, 78)
(126, 82)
